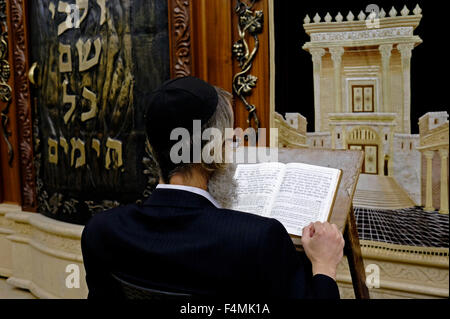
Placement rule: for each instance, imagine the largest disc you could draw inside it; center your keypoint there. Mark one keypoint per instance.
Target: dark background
(294, 68)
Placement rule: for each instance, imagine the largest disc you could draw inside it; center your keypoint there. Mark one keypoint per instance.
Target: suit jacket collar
(191, 189)
(177, 198)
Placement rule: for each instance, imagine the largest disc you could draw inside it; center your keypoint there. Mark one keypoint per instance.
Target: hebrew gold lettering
(92, 97)
(65, 58)
(113, 153)
(63, 143)
(68, 23)
(52, 151)
(82, 5)
(72, 11)
(96, 146)
(68, 99)
(77, 144)
(102, 5)
(52, 8)
(84, 48)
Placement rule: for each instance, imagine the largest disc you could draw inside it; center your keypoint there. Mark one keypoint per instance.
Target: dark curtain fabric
(97, 158)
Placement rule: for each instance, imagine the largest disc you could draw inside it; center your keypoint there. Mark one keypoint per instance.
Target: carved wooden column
(180, 37)
(444, 181)
(22, 99)
(429, 184)
(9, 164)
(317, 55)
(336, 56)
(405, 50)
(385, 50)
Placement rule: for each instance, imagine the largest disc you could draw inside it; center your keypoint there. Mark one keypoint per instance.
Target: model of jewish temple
(362, 101)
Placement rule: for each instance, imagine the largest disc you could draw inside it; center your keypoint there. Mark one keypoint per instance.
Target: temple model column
(405, 51)
(391, 148)
(344, 137)
(385, 50)
(336, 56)
(444, 181)
(333, 137)
(317, 54)
(429, 183)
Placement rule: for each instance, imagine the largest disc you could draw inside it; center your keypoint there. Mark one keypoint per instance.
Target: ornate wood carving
(250, 22)
(180, 37)
(5, 73)
(22, 102)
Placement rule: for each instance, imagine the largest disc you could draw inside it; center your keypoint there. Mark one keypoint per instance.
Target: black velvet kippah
(176, 104)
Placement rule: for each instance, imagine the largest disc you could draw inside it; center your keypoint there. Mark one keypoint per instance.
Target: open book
(295, 194)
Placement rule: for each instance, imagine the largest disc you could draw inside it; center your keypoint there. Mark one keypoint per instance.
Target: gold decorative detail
(96, 146)
(102, 5)
(32, 74)
(63, 143)
(113, 153)
(65, 58)
(52, 9)
(77, 144)
(84, 50)
(92, 97)
(250, 22)
(73, 18)
(52, 151)
(68, 99)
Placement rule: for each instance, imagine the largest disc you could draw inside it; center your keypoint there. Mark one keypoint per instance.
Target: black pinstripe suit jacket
(179, 241)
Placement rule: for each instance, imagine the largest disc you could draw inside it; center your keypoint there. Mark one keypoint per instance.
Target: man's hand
(324, 245)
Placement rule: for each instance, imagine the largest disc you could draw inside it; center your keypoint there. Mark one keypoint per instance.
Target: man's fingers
(322, 228)
(307, 234)
(335, 226)
(319, 228)
(306, 231)
(311, 230)
(338, 234)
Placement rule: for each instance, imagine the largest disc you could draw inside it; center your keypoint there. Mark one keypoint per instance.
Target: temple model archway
(367, 140)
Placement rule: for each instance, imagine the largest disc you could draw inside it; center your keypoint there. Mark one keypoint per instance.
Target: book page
(306, 195)
(257, 185)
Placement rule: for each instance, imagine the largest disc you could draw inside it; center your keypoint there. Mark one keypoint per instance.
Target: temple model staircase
(380, 192)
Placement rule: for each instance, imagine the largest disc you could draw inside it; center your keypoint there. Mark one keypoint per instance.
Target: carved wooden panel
(180, 37)
(19, 35)
(260, 96)
(16, 135)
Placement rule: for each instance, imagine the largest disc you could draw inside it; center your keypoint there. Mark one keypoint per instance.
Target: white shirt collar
(191, 189)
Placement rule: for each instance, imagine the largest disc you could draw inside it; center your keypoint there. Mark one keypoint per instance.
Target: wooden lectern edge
(361, 160)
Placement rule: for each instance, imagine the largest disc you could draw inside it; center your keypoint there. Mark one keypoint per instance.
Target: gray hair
(223, 116)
